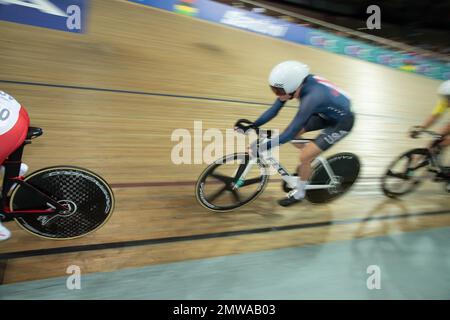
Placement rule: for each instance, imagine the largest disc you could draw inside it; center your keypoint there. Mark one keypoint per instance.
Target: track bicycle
(413, 167)
(61, 202)
(237, 179)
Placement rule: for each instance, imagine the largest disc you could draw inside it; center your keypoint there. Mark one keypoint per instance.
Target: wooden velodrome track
(125, 137)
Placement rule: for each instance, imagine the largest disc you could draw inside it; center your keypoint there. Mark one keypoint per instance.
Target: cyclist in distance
(439, 110)
(322, 106)
(14, 123)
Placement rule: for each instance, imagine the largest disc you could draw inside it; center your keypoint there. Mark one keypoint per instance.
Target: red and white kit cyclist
(14, 123)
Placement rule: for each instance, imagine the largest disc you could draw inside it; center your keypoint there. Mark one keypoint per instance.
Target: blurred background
(110, 81)
(415, 23)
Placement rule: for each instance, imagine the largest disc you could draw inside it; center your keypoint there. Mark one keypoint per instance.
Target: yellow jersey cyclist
(322, 106)
(442, 106)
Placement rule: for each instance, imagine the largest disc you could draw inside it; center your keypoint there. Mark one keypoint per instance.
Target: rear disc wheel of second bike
(88, 198)
(346, 167)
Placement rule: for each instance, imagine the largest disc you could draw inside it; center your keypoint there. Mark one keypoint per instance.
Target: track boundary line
(167, 95)
(225, 234)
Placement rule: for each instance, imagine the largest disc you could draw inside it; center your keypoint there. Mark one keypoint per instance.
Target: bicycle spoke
(222, 178)
(241, 170)
(218, 188)
(410, 159)
(397, 175)
(420, 165)
(251, 181)
(217, 193)
(236, 195)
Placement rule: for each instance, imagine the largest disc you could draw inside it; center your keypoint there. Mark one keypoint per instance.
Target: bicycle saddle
(34, 132)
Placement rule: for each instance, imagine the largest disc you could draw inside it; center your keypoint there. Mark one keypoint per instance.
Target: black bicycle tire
(390, 193)
(324, 195)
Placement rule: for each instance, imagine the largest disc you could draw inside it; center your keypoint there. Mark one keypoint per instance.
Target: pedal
(443, 175)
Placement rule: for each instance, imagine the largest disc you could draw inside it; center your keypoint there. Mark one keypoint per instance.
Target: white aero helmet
(444, 88)
(287, 76)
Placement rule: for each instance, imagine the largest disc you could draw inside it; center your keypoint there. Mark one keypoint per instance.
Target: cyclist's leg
(435, 147)
(314, 123)
(445, 142)
(327, 138)
(445, 132)
(14, 138)
(300, 145)
(307, 155)
(324, 141)
(331, 135)
(308, 151)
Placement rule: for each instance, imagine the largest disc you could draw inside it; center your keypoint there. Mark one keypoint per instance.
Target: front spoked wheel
(88, 199)
(346, 167)
(406, 173)
(219, 188)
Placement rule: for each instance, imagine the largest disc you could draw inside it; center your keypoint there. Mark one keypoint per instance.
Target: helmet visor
(278, 91)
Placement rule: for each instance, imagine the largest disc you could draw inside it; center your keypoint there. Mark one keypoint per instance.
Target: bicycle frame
(11, 176)
(291, 180)
(434, 159)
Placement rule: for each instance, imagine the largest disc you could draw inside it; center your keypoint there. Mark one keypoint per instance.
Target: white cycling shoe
(5, 234)
(23, 171)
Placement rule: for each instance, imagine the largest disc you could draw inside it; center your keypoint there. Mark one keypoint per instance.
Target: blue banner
(234, 17)
(65, 15)
(162, 4)
(242, 19)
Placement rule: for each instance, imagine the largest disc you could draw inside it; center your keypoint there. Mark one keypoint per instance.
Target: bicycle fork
(242, 172)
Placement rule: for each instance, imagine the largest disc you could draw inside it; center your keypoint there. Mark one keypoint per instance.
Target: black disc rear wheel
(346, 167)
(88, 198)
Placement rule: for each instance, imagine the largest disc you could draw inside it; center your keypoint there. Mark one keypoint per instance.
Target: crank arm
(45, 198)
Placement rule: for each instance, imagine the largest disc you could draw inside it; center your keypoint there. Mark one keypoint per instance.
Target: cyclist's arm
(309, 102)
(445, 131)
(270, 113)
(438, 111)
(430, 121)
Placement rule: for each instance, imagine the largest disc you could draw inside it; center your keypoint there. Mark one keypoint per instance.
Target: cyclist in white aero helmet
(322, 106)
(286, 77)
